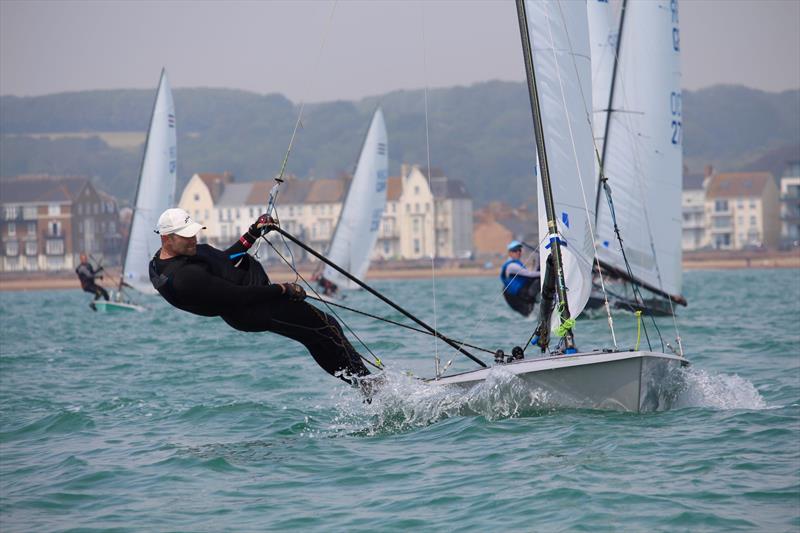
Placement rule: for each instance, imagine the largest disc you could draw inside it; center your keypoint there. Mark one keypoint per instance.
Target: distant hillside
(480, 134)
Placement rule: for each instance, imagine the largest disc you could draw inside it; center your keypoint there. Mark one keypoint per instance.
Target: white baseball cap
(178, 221)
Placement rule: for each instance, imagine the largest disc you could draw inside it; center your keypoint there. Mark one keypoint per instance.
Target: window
(12, 248)
(291, 211)
(31, 248)
(206, 217)
(416, 246)
(55, 228)
(29, 212)
(112, 227)
(220, 215)
(416, 208)
(54, 210)
(11, 212)
(721, 205)
(31, 228)
(752, 203)
(740, 202)
(416, 189)
(386, 247)
(253, 215)
(55, 247)
(753, 221)
(416, 225)
(196, 197)
(12, 229)
(238, 214)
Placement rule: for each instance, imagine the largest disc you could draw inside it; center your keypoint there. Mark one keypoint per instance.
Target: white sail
(559, 37)
(155, 192)
(357, 229)
(643, 161)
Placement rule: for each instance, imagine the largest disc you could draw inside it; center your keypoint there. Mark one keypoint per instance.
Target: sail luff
(544, 169)
(558, 37)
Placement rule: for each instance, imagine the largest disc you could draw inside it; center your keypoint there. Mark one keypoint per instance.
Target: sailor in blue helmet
(520, 285)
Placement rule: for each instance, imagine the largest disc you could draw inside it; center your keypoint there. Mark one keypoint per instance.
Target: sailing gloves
(261, 226)
(293, 292)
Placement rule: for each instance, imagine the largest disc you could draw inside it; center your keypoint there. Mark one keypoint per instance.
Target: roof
(443, 187)
(41, 189)
(235, 194)
(693, 181)
(735, 184)
(216, 182)
(394, 188)
(326, 191)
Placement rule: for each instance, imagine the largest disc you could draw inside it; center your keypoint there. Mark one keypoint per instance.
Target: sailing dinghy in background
(357, 229)
(555, 39)
(154, 194)
(637, 130)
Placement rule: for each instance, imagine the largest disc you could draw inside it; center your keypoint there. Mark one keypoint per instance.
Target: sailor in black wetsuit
(230, 284)
(87, 275)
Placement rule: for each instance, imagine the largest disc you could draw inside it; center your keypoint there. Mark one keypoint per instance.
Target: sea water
(165, 421)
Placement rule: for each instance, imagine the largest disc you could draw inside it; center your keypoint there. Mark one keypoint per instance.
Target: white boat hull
(110, 307)
(636, 381)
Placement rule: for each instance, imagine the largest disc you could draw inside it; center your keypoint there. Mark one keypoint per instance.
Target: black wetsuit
(87, 274)
(238, 290)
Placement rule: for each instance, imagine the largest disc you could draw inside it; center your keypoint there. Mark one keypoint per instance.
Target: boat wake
(719, 391)
(404, 402)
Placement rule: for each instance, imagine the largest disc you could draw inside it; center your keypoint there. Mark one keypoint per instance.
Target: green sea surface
(165, 421)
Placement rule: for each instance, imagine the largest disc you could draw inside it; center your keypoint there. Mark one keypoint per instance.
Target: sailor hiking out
(520, 285)
(87, 275)
(205, 281)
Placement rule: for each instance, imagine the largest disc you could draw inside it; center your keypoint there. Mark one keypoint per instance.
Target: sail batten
(357, 229)
(155, 192)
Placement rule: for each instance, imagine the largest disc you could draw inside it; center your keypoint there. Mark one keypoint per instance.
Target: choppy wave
(718, 391)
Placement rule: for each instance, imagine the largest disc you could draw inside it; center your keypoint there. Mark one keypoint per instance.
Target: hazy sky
(371, 47)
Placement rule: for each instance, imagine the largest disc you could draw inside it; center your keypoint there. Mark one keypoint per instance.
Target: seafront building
(309, 210)
(48, 221)
(790, 206)
(742, 208)
(693, 207)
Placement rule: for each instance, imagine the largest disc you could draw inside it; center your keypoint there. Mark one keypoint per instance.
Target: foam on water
(719, 391)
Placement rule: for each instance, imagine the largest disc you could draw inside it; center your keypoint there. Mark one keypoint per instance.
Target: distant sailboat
(357, 229)
(637, 130)
(155, 193)
(555, 39)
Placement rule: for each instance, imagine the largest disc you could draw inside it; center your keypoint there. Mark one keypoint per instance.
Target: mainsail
(559, 37)
(643, 156)
(155, 191)
(357, 230)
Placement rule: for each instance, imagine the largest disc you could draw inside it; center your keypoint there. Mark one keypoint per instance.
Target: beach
(711, 260)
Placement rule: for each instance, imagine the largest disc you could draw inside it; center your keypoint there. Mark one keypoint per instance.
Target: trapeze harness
(238, 290)
(520, 291)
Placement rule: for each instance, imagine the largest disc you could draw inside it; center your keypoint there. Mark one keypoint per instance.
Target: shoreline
(24, 281)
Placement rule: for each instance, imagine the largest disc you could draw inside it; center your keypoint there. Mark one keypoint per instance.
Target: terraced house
(309, 209)
(48, 221)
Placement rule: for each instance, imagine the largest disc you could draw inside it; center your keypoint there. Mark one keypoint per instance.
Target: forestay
(559, 37)
(156, 189)
(357, 230)
(643, 161)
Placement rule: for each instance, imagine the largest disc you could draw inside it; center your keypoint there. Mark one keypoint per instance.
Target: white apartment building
(742, 210)
(693, 207)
